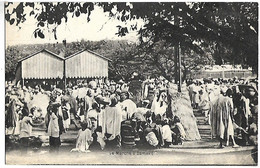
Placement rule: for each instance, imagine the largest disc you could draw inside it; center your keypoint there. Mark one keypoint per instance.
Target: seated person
(166, 133)
(178, 133)
(84, 139)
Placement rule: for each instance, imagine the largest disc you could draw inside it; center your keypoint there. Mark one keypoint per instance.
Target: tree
(122, 54)
(192, 25)
(11, 59)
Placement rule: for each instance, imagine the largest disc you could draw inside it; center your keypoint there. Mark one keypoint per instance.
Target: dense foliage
(229, 29)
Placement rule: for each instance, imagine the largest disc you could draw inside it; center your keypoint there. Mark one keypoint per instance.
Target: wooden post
(64, 75)
(179, 59)
(176, 63)
(22, 82)
(176, 52)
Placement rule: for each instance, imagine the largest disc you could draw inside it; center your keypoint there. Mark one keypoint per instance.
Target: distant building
(55, 69)
(223, 71)
(42, 65)
(86, 64)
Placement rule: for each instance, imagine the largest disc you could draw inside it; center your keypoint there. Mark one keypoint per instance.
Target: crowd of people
(133, 114)
(230, 106)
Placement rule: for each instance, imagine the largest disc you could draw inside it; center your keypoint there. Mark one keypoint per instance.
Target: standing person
(221, 120)
(244, 113)
(54, 133)
(54, 125)
(135, 87)
(25, 130)
(241, 104)
(112, 119)
(191, 94)
(196, 89)
(66, 114)
(204, 104)
(89, 100)
(73, 108)
(11, 118)
(81, 109)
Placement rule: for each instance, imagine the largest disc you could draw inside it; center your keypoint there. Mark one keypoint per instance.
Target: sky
(100, 27)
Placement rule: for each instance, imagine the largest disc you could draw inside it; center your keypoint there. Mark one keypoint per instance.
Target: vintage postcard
(131, 83)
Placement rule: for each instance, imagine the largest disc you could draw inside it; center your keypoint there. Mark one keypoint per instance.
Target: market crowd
(132, 114)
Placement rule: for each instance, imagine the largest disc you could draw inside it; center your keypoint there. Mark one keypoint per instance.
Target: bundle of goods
(38, 118)
(35, 142)
(180, 106)
(40, 101)
(128, 134)
(13, 142)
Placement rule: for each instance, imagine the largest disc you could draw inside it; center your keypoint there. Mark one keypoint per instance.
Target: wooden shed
(47, 66)
(41, 65)
(86, 64)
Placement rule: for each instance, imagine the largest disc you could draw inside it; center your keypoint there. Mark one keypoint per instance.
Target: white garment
(100, 140)
(195, 95)
(53, 128)
(129, 107)
(112, 118)
(84, 139)
(18, 125)
(157, 108)
(167, 133)
(66, 123)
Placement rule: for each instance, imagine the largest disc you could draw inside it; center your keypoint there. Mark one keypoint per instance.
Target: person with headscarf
(159, 104)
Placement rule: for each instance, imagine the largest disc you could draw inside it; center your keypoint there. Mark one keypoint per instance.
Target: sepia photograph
(131, 83)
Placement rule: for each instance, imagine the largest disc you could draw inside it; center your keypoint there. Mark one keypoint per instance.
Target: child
(25, 130)
(178, 133)
(84, 139)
